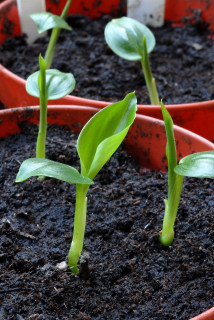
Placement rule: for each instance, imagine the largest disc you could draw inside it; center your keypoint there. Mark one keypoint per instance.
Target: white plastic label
(149, 12)
(25, 8)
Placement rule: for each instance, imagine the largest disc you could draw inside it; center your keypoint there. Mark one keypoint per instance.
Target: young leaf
(199, 165)
(58, 84)
(46, 21)
(175, 182)
(125, 37)
(48, 168)
(171, 146)
(103, 134)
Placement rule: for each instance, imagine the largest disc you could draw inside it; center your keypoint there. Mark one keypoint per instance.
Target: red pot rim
(146, 140)
(207, 315)
(197, 117)
(70, 99)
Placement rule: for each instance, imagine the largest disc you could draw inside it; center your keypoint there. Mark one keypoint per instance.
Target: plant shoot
(47, 85)
(131, 40)
(199, 165)
(98, 140)
(46, 21)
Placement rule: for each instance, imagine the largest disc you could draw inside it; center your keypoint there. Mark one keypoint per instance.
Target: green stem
(79, 227)
(171, 208)
(41, 139)
(54, 37)
(150, 81)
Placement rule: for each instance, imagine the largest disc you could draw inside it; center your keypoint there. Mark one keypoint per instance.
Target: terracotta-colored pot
(146, 140)
(176, 11)
(9, 17)
(197, 11)
(196, 117)
(207, 315)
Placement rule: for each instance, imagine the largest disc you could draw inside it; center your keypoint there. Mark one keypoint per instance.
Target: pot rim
(102, 103)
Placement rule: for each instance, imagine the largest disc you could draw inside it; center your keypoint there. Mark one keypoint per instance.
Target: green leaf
(58, 84)
(171, 146)
(48, 168)
(46, 21)
(125, 37)
(103, 134)
(199, 165)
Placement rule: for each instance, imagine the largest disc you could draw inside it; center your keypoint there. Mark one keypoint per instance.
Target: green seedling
(97, 142)
(47, 85)
(46, 21)
(199, 165)
(131, 40)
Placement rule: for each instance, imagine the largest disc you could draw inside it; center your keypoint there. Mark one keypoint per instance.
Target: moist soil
(182, 62)
(125, 273)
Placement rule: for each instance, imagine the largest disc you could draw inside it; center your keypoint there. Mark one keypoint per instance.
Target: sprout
(131, 40)
(199, 165)
(98, 140)
(47, 85)
(46, 21)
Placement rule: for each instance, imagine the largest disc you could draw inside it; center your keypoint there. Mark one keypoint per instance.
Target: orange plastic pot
(207, 315)
(196, 117)
(9, 17)
(175, 11)
(199, 11)
(146, 140)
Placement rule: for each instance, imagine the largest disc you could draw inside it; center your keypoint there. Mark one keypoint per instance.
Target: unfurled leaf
(48, 168)
(125, 37)
(58, 84)
(103, 134)
(46, 21)
(199, 165)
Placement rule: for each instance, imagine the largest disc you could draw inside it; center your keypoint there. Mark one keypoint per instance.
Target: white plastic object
(25, 8)
(149, 12)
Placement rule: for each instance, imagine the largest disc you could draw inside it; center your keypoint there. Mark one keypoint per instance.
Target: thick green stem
(171, 208)
(51, 46)
(150, 81)
(54, 37)
(79, 227)
(41, 139)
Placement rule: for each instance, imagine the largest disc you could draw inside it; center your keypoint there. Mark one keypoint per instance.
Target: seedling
(131, 40)
(47, 85)
(97, 142)
(46, 21)
(199, 165)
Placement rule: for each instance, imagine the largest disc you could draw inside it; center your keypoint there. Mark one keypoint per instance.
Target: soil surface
(126, 273)
(182, 62)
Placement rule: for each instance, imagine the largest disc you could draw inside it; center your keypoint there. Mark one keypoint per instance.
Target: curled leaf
(58, 84)
(46, 21)
(199, 165)
(125, 37)
(103, 134)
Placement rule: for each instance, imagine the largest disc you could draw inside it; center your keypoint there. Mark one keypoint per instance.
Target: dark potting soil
(129, 274)
(182, 62)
